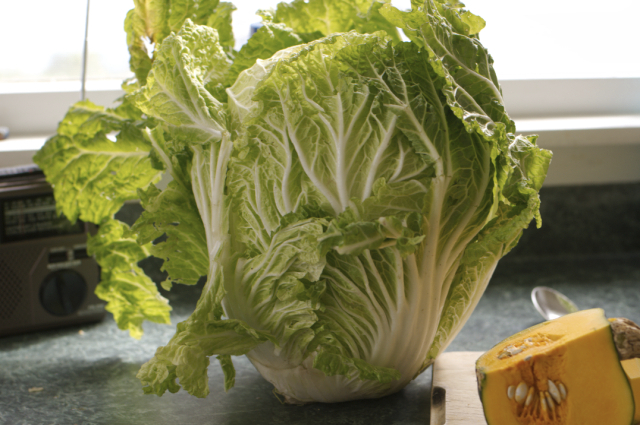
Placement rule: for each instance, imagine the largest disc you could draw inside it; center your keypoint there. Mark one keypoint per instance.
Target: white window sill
(22, 144)
(71, 86)
(587, 150)
(583, 131)
(36, 108)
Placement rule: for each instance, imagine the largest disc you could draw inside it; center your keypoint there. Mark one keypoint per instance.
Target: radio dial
(62, 292)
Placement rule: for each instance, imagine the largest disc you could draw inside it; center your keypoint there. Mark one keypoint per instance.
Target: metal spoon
(550, 303)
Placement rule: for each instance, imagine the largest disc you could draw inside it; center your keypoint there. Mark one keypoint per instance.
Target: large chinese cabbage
(347, 194)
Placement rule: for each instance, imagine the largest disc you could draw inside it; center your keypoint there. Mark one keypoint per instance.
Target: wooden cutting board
(454, 395)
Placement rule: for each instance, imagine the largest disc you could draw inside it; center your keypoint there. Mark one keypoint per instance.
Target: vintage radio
(46, 277)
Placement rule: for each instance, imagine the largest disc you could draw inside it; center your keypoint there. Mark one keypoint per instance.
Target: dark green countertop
(89, 377)
(588, 248)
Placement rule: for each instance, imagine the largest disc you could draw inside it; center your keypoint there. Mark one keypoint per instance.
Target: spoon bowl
(550, 303)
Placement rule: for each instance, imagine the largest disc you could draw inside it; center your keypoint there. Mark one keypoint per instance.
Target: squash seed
(563, 390)
(549, 400)
(553, 390)
(515, 351)
(529, 397)
(543, 403)
(511, 391)
(521, 392)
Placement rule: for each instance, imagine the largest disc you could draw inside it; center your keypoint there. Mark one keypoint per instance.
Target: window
(560, 39)
(569, 71)
(54, 51)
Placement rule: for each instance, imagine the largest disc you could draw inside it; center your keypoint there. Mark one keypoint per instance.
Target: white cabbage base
(302, 383)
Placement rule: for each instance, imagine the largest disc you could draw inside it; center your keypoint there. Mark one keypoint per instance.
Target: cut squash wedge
(562, 372)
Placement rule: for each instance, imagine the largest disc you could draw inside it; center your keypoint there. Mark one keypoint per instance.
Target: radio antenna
(84, 53)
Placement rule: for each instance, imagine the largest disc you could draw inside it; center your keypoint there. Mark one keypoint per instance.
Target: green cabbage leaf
(346, 194)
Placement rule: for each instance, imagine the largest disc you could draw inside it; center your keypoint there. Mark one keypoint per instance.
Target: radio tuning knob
(63, 292)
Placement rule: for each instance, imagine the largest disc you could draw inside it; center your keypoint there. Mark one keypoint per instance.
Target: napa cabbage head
(347, 194)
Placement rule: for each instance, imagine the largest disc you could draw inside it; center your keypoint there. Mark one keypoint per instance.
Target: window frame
(584, 121)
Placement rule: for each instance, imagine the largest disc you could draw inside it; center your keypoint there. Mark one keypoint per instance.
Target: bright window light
(557, 39)
(542, 39)
(47, 45)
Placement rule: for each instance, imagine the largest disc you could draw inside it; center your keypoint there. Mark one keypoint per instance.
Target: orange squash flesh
(562, 372)
(632, 369)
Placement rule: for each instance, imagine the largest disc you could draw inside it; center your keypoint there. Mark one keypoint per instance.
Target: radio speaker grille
(12, 290)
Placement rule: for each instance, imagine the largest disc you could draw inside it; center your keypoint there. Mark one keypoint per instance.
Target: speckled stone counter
(88, 377)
